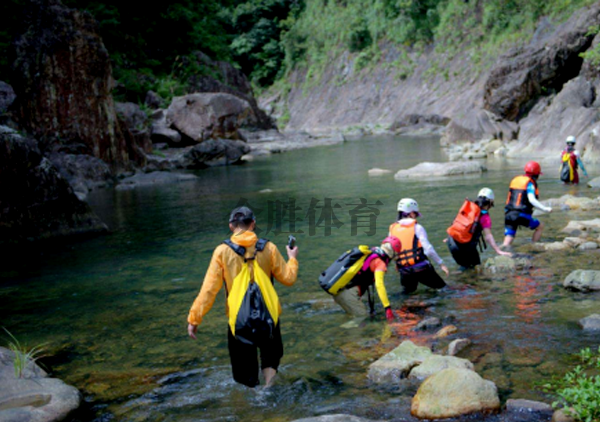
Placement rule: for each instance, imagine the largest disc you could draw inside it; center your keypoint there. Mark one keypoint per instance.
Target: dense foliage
(579, 390)
(151, 47)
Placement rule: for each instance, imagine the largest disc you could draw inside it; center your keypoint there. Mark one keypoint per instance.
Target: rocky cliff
(63, 82)
(536, 94)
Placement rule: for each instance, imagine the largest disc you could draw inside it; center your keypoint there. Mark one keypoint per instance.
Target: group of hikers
(246, 266)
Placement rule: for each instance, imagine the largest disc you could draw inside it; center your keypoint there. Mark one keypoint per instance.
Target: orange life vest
(517, 195)
(412, 250)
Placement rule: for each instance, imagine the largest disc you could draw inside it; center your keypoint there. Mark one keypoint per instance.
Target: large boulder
(214, 152)
(583, 280)
(34, 397)
(7, 96)
(506, 264)
(35, 201)
(207, 115)
(83, 172)
(160, 131)
(436, 363)
(136, 121)
(63, 82)
(476, 125)
(224, 77)
(590, 323)
(524, 74)
(576, 228)
(397, 364)
(454, 392)
(425, 170)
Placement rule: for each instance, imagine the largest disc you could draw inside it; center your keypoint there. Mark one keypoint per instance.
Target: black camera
(291, 242)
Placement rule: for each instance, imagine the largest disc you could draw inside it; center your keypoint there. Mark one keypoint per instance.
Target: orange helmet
(533, 168)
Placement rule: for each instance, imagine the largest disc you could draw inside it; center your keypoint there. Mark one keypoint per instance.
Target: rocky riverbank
(531, 97)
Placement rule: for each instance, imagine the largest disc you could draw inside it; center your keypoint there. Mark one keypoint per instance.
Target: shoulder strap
(260, 244)
(238, 249)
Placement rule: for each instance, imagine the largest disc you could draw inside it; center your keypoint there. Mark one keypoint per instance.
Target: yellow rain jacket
(226, 264)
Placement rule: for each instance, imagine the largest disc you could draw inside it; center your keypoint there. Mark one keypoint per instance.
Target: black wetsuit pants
(424, 273)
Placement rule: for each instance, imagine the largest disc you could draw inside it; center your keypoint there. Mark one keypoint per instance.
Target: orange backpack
(466, 222)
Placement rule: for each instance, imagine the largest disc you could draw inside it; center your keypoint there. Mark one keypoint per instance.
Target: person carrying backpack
(571, 161)
(412, 262)
(472, 221)
(523, 196)
(245, 266)
(355, 272)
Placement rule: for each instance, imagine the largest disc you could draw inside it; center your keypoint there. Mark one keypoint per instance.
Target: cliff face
(537, 94)
(63, 81)
(35, 201)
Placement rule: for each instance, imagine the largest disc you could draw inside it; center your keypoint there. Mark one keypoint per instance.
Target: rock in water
(396, 365)
(378, 172)
(334, 418)
(202, 116)
(590, 323)
(425, 170)
(457, 345)
(63, 82)
(36, 201)
(583, 280)
(434, 364)
(506, 264)
(34, 397)
(454, 392)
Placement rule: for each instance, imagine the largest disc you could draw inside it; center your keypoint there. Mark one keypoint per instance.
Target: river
(112, 310)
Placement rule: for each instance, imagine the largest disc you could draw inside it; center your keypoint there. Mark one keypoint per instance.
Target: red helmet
(395, 242)
(533, 168)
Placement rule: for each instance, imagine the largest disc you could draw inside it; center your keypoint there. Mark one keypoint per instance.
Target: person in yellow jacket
(229, 260)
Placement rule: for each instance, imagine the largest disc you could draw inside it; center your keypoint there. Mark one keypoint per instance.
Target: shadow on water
(113, 309)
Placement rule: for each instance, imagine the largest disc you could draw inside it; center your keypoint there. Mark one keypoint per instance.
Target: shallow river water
(112, 310)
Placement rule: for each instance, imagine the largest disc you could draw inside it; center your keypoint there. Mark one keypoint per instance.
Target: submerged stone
(457, 345)
(590, 323)
(506, 264)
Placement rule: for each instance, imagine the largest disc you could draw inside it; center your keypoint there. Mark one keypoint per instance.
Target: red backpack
(466, 222)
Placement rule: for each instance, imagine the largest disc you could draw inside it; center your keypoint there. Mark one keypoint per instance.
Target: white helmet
(408, 205)
(487, 193)
(570, 140)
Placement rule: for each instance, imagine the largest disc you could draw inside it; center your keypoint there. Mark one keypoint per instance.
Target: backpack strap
(238, 249)
(260, 244)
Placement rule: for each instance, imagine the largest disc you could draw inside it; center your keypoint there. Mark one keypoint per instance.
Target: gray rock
(426, 170)
(594, 183)
(136, 122)
(7, 96)
(590, 323)
(456, 346)
(394, 366)
(202, 116)
(574, 241)
(583, 280)
(37, 202)
(34, 397)
(506, 264)
(588, 246)
(436, 363)
(160, 132)
(477, 124)
(334, 418)
(83, 172)
(561, 416)
(214, 152)
(577, 227)
(521, 406)
(454, 392)
(153, 100)
(378, 172)
(154, 178)
(427, 323)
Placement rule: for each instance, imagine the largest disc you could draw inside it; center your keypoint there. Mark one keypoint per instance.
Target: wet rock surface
(434, 364)
(37, 202)
(454, 392)
(590, 323)
(154, 178)
(427, 170)
(397, 364)
(507, 264)
(34, 397)
(201, 116)
(583, 280)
